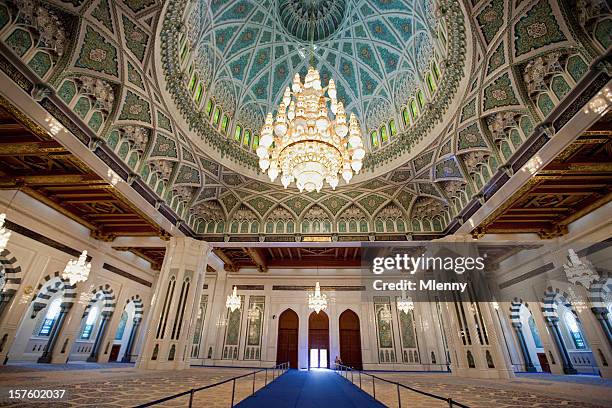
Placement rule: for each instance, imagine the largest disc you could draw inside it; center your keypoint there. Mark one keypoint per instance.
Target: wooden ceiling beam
(39, 180)
(227, 261)
(258, 259)
(32, 148)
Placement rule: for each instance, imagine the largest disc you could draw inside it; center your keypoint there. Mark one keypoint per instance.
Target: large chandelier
(305, 143)
(77, 271)
(405, 304)
(5, 233)
(233, 300)
(317, 301)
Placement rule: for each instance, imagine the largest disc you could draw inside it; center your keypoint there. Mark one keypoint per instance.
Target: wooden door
(287, 344)
(544, 362)
(350, 339)
(318, 334)
(114, 353)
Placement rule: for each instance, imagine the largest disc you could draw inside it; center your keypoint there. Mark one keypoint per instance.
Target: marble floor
(122, 385)
(541, 390)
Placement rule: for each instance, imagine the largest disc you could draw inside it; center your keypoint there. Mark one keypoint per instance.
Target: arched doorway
(287, 344)
(318, 340)
(350, 339)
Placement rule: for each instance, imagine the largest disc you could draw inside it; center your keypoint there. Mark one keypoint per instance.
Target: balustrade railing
(277, 371)
(353, 375)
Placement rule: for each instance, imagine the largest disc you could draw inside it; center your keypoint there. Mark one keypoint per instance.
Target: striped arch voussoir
(551, 298)
(598, 293)
(106, 295)
(50, 285)
(13, 274)
(138, 307)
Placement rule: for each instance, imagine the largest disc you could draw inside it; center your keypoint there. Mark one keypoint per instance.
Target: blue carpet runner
(310, 389)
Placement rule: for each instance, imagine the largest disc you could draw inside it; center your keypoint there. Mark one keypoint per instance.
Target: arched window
(247, 138)
(52, 314)
(89, 323)
(237, 133)
(374, 138)
(406, 117)
(121, 327)
(534, 332)
(574, 330)
(2, 277)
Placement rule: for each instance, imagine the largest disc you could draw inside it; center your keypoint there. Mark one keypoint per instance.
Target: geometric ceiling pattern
(248, 51)
(101, 60)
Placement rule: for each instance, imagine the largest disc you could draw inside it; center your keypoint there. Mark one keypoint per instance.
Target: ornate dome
(382, 55)
(311, 20)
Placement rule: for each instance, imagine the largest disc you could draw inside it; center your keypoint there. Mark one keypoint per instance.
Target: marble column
(95, 350)
(518, 328)
(553, 324)
(127, 354)
(601, 313)
(47, 354)
(177, 296)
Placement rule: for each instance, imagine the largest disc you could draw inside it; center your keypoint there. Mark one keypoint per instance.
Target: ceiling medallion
(317, 301)
(233, 301)
(312, 20)
(303, 144)
(77, 271)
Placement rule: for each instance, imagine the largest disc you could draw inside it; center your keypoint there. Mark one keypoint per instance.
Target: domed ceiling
(378, 51)
(124, 69)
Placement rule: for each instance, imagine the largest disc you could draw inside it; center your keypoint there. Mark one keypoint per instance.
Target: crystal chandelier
(77, 271)
(5, 234)
(405, 304)
(307, 145)
(233, 300)
(317, 301)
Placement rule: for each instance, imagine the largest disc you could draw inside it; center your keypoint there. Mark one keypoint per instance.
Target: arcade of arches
(130, 129)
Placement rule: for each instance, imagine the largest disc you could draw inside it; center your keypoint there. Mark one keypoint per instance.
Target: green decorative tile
(138, 5)
(469, 110)
(164, 147)
(135, 108)
(491, 19)
(537, 29)
(40, 63)
(499, 93)
(334, 203)
(103, 14)
(163, 121)
(296, 204)
(67, 91)
(188, 175)
(97, 54)
(134, 76)
(261, 204)
(470, 137)
(445, 169)
(405, 199)
(229, 201)
(136, 39)
(372, 202)
(497, 58)
(20, 41)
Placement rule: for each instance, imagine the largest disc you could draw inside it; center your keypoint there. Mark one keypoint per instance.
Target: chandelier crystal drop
(307, 144)
(5, 233)
(317, 301)
(77, 271)
(405, 304)
(233, 300)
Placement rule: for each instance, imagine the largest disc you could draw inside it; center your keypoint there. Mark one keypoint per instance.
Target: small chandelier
(317, 301)
(77, 271)
(233, 301)
(5, 233)
(303, 144)
(405, 304)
